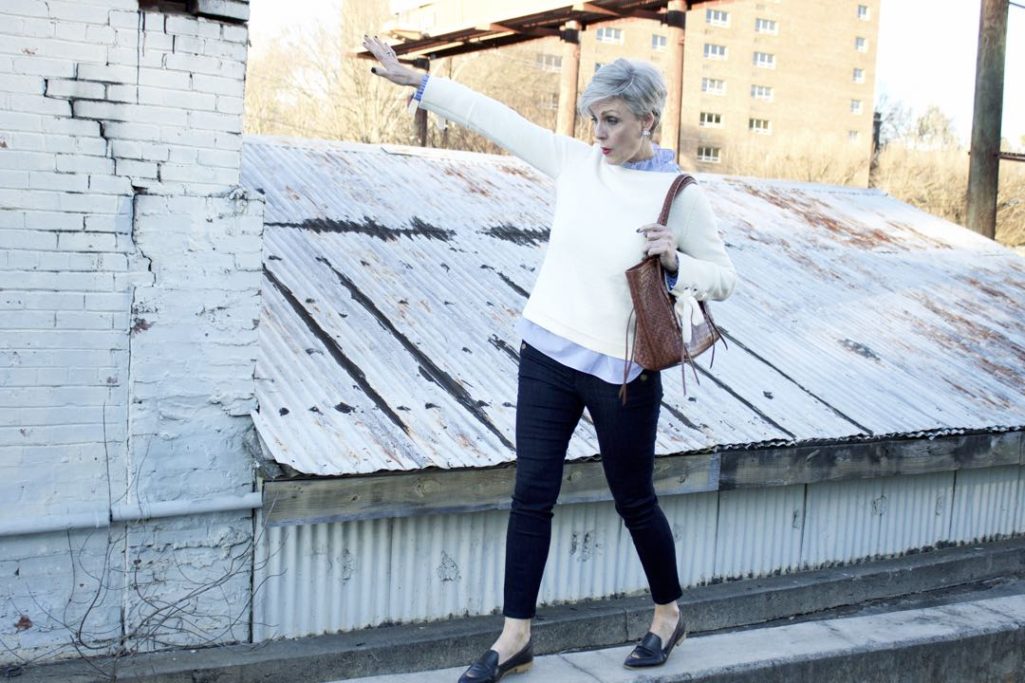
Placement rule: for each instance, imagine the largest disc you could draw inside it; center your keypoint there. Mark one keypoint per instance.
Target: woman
(573, 326)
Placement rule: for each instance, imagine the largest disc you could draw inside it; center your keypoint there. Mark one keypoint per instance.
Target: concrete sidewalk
(974, 641)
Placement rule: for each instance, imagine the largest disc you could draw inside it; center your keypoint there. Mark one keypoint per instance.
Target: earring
(646, 133)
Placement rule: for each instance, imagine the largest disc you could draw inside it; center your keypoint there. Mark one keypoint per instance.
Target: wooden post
(570, 73)
(984, 165)
(676, 18)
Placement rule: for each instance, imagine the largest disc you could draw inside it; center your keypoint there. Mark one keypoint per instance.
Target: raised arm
(538, 146)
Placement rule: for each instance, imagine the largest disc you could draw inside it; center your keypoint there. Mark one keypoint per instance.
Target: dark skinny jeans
(551, 399)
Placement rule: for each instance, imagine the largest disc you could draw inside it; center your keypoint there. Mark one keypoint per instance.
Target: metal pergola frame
(521, 28)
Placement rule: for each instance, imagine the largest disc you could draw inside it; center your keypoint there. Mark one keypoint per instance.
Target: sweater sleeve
(541, 148)
(705, 269)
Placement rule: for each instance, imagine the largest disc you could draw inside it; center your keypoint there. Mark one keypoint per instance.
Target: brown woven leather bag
(658, 339)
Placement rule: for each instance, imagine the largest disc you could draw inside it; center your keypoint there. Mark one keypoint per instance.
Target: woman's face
(620, 132)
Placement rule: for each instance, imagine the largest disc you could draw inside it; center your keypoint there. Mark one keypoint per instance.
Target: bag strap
(679, 183)
(682, 181)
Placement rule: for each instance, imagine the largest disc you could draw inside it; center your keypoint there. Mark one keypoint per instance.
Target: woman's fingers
(382, 52)
(659, 238)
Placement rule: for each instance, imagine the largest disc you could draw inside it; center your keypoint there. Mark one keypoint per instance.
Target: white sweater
(581, 292)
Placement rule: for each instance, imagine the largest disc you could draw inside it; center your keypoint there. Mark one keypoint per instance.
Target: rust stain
(140, 325)
(471, 184)
(512, 170)
(816, 214)
(920, 236)
(1003, 405)
(24, 623)
(967, 331)
(990, 291)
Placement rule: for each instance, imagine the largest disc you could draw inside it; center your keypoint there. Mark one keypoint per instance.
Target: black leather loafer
(488, 670)
(649, 652)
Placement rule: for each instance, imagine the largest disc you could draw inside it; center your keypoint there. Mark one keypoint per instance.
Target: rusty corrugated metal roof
(395, 276)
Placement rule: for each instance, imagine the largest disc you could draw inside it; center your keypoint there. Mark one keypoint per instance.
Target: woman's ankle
(670, 609)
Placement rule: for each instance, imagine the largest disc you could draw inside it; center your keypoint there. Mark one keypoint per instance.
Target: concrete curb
(981, 640)
(596, 624)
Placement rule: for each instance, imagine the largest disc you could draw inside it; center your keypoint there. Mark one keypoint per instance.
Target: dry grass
(934, 180)
(937, 181)
(804, 158)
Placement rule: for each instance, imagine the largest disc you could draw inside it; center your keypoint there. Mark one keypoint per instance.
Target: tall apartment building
(761, 77)
(772, 77)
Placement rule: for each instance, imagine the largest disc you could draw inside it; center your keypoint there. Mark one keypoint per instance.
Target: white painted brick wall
(129, 294)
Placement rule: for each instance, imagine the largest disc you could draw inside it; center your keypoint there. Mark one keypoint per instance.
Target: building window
(759, 126)
(658, 42)
(863, 12)
(855, 106)
(853, 135)
(858, 75)
(860, 44)
(550, 100)
(713, 86)
(765, 60)
(549, 62)
(608, 34)
(762, 92)
(713, 51)
(710, 120)
(709, 154)
(765, 26)
(717, 17)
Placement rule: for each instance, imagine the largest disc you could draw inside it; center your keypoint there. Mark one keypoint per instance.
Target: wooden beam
(671, 117)
(404, 494)
(596, 9)
(631, 14)
(566, 119)
(454, 491)
(534, 31)
(866, 460)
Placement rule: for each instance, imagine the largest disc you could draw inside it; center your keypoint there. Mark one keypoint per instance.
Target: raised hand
(388, 65)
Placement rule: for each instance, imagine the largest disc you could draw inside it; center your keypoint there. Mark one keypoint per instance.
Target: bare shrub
(308, 84)
(807, 158)
(936, 180)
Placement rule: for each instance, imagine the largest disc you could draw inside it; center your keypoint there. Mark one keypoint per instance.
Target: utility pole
(984, 165)
(570, 72)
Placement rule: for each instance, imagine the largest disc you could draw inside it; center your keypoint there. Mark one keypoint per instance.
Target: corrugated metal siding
(321, 578)
(917, 512)
(324, 578)
(395, 348)
(693, 519)
(860, 519)
(759, 531)
(987, 503)
(591, 556)
(842, 521)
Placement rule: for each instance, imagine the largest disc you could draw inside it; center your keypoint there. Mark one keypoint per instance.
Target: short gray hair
(640, 84)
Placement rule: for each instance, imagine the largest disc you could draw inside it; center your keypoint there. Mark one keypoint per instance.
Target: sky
(926, 54)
